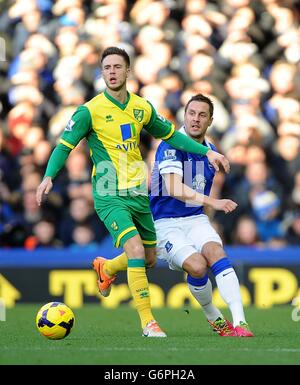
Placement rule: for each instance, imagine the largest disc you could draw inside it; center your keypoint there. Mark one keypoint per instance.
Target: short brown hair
(201, 98)
(116, 51)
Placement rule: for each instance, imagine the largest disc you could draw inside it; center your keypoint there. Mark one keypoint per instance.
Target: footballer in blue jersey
(180, 188)
(197, 172)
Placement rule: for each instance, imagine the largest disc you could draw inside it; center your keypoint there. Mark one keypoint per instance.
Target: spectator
(80, 213)
(43, 236)
(83, 238)
(266, 210)
(293, 231)
(245, 233)
(296, 190)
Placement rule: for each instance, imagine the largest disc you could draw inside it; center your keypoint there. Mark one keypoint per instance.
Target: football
(55, 320)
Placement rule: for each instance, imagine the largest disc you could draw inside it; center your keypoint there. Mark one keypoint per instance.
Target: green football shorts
(125, 217)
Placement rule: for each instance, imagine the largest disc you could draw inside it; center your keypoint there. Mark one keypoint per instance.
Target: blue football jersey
(196, 172)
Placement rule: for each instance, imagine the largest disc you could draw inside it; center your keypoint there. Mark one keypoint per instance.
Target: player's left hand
(215, 158)
(226, 205)
(43, 188)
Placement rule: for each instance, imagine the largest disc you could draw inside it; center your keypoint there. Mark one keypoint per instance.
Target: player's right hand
(215, 158)
(226, 205)
(43, 188)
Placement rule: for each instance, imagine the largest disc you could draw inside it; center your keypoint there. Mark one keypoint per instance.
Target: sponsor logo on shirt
(128, 131)
(69, 126)
(128, 146)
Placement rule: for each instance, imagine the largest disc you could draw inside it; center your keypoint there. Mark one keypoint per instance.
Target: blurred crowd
(243, 54)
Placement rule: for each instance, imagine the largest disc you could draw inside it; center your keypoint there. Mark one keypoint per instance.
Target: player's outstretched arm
(185, 143)
(177, 189)
(76, 129)
(55, 164)
(162, 129)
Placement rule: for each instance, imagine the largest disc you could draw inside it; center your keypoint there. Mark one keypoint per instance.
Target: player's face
(197, 119)
(115, 72)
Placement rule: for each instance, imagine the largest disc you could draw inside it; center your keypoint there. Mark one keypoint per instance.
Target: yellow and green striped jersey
(113, 132)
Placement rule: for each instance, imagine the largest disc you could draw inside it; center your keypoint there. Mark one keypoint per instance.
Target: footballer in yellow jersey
(113, 132)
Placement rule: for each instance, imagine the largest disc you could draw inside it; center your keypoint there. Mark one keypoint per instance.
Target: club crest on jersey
(114, 226)
(138, 114)
(69, 126)
(169, 155)
(168, 246)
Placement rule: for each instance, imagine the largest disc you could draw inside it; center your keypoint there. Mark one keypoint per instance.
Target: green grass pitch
(108, 337)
